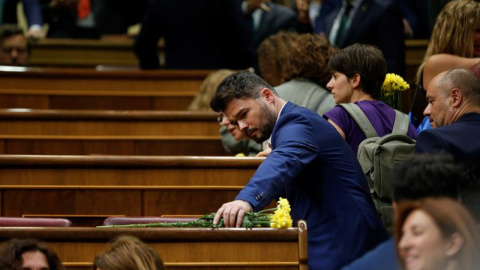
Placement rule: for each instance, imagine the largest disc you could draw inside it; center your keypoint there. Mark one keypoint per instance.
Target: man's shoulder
(382, 257)
(294, 111)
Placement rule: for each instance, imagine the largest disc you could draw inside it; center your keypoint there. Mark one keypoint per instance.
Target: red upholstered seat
(34, 222)
(143, 220)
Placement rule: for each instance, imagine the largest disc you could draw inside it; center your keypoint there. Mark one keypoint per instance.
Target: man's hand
(265, 152)
(232, 213)
(35, 33)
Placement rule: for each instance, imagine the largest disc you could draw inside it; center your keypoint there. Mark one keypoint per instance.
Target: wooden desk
(188, 248)
(88, 89)
(108, 123)
(120, 185)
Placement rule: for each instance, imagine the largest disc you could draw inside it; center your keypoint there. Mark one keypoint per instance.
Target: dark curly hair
(272, 54)
(308, 58)
(11, 254)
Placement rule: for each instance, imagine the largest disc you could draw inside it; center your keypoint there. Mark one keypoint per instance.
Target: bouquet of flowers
(278, 217)
(392, 88)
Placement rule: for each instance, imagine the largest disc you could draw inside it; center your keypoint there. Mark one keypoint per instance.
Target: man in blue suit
(310, 164)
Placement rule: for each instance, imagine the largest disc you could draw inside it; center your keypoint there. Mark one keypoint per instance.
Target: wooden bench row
(107, 123)
(91, 53)
(91, 188)
(111, 145)
(55, 88)
(188, 248)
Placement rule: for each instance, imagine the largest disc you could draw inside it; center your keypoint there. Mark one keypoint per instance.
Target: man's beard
(266, 130)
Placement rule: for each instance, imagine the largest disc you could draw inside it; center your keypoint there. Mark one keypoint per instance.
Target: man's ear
(457, 97)
(267, 94)
(455, 243)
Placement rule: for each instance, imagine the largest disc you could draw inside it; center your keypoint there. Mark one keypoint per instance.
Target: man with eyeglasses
(13, 46)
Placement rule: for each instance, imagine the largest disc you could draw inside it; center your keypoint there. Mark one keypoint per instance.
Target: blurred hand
(232, 213)
(265, 152)
(35, 33)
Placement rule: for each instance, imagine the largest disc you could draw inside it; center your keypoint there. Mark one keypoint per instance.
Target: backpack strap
(401, 124)
(360, 118)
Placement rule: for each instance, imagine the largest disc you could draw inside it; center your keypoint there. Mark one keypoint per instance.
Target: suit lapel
(330, 19)
(357, 22)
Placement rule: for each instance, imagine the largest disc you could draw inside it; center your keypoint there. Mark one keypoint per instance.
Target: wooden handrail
(151, 234)
(11, 161)
(97, 115)
(158, 75)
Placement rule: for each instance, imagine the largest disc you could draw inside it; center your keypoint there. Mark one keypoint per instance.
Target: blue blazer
(384, 256)
(377, 22)
(460, 139)
(200, 34)
(315, 169)
(31, 8)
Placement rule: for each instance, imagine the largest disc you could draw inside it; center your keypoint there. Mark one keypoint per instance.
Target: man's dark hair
(426, 175)
(366, 60)
(11, 254)
(8, 30)
(239, 85)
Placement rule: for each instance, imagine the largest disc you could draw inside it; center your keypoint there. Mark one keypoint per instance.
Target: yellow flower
(281, 217)
(392, 88)
(394, 82)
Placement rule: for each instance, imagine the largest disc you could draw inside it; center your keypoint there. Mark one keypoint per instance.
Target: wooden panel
(100, 83)
(91, 89)
(104, 123)
(186, 201)
(126, 170)
(182, 248)
(112, 145)
(79, 202)
(82, 52)
(88, 206)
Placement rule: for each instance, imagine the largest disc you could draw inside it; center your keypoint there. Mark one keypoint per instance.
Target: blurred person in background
(29, 254)
(14, 47)
(128, 253)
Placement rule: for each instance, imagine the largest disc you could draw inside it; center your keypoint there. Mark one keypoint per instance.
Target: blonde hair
(201, 102)
(454, 31)
(129, 253)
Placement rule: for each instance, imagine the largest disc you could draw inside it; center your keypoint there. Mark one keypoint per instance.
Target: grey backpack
(379, 155)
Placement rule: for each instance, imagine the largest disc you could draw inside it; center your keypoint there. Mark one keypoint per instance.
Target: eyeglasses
(220, 118)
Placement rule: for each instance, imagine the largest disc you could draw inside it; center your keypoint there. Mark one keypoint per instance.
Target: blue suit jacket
(315, 169)
(384, 256)
(31, 8)
(377, 22)
(200, 34)
(460, 139)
